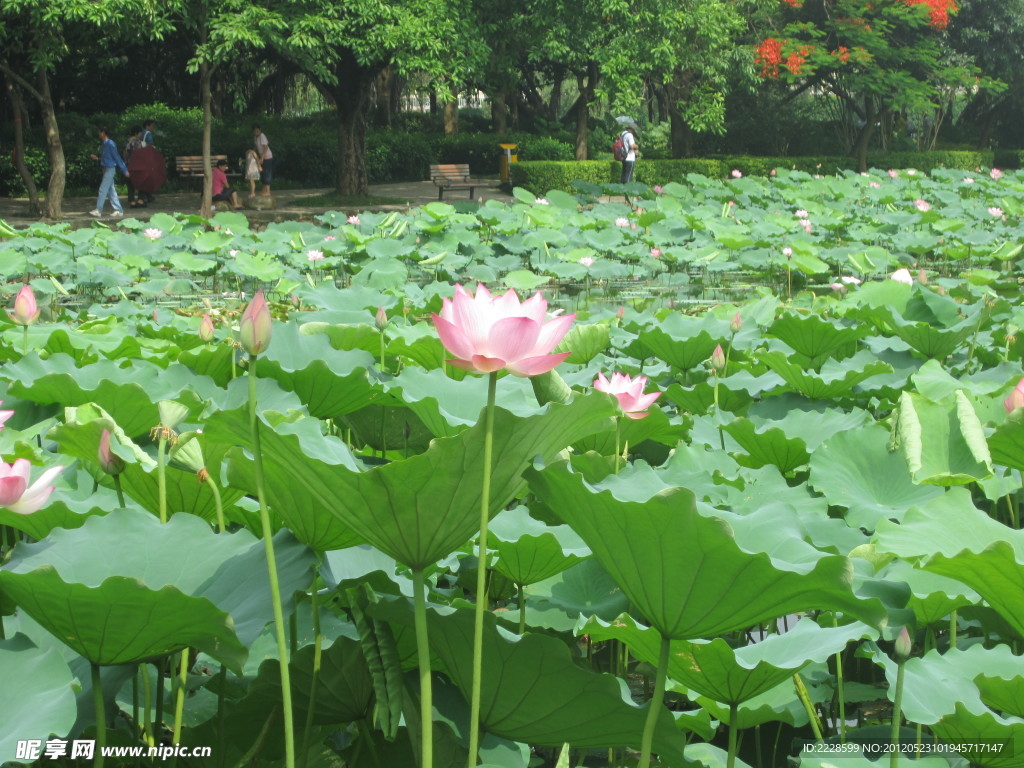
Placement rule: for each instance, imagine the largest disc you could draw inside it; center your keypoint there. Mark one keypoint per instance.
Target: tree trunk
(351, 93)
(677, 92)
(555, 108)
(499, 112)
(206, 97)
(860, 147)
(54, 149)
(451, 117)
(386, 86)
(18, 112)
(586, 87)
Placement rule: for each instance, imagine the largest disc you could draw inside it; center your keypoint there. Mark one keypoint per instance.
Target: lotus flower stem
(120, 493)
(161, 474)
(275, 587)
(952, 629)
(135, 702)
(805, 699)
(734, 734)
(840, 691)
(179, 695)
(24, 340)
(657, 698)
(101, 716)
(522, 609)
(618, 442)
(318, 649)
(481, 572)
(218, 504)
(147, 699)
(423, 655)
(897, 706)
(158, 715)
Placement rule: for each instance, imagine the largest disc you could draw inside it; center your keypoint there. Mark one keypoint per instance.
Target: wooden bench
(191, 166)
(452, 176)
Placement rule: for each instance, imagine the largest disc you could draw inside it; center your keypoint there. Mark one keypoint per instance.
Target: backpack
(619, 150)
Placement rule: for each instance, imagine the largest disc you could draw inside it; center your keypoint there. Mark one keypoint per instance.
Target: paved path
(289, 203)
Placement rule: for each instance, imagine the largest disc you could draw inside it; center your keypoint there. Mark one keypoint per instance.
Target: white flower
(995, 211)
(968, 180)
(353, 220)
(875, 184)
(622, 221)
(850, 280)
(153, 233)
(922, 205)
(314, 255)
(587, 261)
(787, 252)
(736, 174)
(902, 276)
(801, 214)
(541, 201)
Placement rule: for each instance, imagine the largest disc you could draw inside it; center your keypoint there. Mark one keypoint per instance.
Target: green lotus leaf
(583, 589)
(683, 348)
(856, 470)
(530, 551)
(1007, 442)
(124, 588)
(814, 336)
(989, 740)
(996, 573)
(943, 441)
(685, 572)
(731, 675)
(770, 446)
(835, 379)
(585, 342)
(776, 705)
(928, 337)
(43, 687)
(711, 756)
(932, 597)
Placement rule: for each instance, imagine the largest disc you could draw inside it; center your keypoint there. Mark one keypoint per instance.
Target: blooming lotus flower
(995, 211)
(489, 333)
(968, 180)
(1016, 398)
(656, 253)
(233, 252)
(736, 173)
(622, 221)
(110, 462)
(541, 201)
(353, 220)
(629, 392)
(806, 224)
(15, 492)
(254, 328)
(658, 189)
(838, 287)
(787, 252)
(902, 276)
(801, 214)
(875, 184)
(26, 311)
(4, 416)
(922, 205)
(206, 328)
(153, 233)
(314, 255)
(893, 174)
(995, 173)
(587, 261)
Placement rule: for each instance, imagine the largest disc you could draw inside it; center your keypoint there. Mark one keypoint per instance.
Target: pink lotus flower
(587, 261)
(153, 233)
(736, 173)
(736, 324)
(656, 253)
(922, 205)
(893, 174)
(995, 211)
(490, 333)
(902, 276)
(850, 280)
(26, 311)
(622, 221)
(314, 255)
(541, 201)
(353, 220)
(658, 189)
(995, 173)
(206, 328)
(806, 224)
(328, 238)
(110, 462)
(4, 416)
(15, 492)
(875, 184)
(381, 319)
(968, 180)
(839, 287)
(1016, 398)
(903, 646)
(629, 392)
(718, 358)
(254, 328)
(801, 214)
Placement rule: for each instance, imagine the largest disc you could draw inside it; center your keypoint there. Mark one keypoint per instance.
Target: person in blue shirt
(110, 161)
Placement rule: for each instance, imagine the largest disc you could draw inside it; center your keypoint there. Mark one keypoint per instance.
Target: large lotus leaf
(927, 337)
(855, 469)
(685, 572)
(532, 691)
(423, 508)
(996, 573)
(39, 694)
(301, 466)
(124, 588)
(943, 441)
(836, 379)
(986, 739)
(683, 352)
(731, 675)
(69, 508)
(711, 756)
(657, 426)
(932, 597)
(330, 382)
(814, 336)
(530, 551)
(584, 342)
(584, 589)
(127, 390)
(1007, 442)
(769, 446)
(935, 382)
(776, 705)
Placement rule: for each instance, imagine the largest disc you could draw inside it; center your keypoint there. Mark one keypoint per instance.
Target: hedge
(539, 177)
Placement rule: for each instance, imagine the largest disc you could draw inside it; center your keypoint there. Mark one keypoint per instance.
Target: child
(252, 170)
(221, 189)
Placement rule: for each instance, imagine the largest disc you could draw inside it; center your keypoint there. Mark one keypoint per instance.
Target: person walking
(630, 144)
(134, 143)
(266, 158)
(110, 160)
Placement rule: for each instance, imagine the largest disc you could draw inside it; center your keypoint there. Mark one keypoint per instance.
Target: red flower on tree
(769, 55)
(938, 10)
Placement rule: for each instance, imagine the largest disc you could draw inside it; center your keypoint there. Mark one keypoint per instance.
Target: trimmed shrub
(542, 175)
(1008, 158)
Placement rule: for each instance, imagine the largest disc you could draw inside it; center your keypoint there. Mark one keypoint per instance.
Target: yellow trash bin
(509, 155)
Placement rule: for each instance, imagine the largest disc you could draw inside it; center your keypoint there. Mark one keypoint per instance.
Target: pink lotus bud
(620, 312)
(922, 276)
(736, 324)
(206, 329)
(381, 319)
(110, 462)
(491, 333)
(656, 253)
(904, 645)
(15, 492)
(1016, 398)
(254, 328)
(629, 393)
(4, 416)
(26, 311)
(922, 205)
(295, 301)
(718, 359)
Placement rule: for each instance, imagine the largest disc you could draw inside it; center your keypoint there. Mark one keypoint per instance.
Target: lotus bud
(110, 462)
(296, 302)
(381, 319)
(1016, 398)
(718, 359)
(254, 328)
(736, 324)
(922, 276)
(620, 312)
(206, 329)
(904, 645)
(26, 311)
(156, 315)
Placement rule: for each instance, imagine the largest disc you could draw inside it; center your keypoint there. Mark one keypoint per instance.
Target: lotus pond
(225, 448)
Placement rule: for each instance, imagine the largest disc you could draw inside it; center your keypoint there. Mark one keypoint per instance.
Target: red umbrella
(148, 169)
